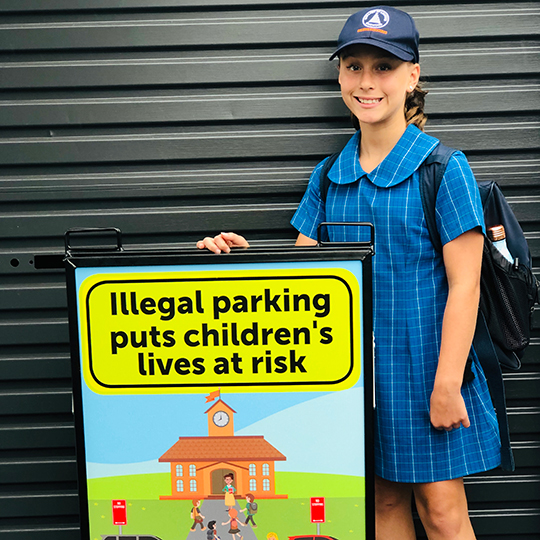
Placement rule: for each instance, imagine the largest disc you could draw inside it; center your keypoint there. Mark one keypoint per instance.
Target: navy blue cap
(385, 27)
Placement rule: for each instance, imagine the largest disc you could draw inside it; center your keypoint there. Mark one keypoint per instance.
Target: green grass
(169, 520)
(297, 485)
(137, 486)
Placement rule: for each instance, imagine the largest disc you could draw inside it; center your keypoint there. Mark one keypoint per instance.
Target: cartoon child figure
(211, 533)
(250, 509)
(229, 490)
(196, 516)
(271, 536)
(233, 527)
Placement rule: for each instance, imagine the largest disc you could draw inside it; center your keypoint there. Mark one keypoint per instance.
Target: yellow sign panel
(248, 330)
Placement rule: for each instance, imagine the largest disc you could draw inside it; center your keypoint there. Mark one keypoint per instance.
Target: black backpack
(508, 291)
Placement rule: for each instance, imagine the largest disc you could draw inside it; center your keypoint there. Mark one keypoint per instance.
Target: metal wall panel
(172, 119)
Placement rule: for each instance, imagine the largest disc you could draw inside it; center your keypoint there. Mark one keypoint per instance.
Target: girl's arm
(225, 241)
(463, 262)
(303, 240)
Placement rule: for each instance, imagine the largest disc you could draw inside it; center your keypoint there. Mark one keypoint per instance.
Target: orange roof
(235, 448)
(219, 401)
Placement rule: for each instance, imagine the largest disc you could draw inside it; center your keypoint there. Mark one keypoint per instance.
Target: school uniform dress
(409, 296)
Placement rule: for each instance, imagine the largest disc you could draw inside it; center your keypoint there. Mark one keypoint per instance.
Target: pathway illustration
(214, 509)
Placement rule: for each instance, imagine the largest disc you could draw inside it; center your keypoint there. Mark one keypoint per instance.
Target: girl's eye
(353, 67)
(384, 67)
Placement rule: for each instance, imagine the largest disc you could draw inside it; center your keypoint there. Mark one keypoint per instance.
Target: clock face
(220, 418)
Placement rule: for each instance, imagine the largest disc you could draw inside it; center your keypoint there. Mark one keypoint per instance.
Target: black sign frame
(119, 258)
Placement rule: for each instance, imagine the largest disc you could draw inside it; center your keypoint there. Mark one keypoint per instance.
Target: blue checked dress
(410, 292)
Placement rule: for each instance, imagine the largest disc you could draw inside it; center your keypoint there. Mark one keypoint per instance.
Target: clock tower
(220, 420)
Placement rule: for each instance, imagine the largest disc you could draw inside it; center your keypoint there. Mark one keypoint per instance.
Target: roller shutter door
(173, 119)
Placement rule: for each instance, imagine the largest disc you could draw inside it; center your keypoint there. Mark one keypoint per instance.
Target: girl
(431, 428)
(234, 530)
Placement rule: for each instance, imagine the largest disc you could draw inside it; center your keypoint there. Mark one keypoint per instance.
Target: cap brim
(406, 56)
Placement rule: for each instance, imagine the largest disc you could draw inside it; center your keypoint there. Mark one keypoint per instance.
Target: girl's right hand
(222, 242)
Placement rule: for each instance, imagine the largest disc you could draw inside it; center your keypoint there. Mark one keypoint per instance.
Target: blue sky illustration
(316, 432)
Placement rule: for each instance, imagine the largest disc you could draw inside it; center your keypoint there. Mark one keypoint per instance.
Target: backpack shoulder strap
(431, 174)
(487, 355)
(324, 180)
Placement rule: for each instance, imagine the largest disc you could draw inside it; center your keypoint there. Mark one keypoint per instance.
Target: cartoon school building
(198, 464)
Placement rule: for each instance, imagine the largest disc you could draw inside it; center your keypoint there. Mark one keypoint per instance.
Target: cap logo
(376, 18)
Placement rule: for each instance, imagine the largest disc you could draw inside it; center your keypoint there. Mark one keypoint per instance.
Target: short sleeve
(458, 206)
(311, 210)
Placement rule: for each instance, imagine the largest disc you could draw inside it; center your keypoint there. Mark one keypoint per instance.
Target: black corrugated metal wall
(172, 119)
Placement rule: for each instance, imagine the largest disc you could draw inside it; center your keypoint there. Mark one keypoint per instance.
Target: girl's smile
(368, 101)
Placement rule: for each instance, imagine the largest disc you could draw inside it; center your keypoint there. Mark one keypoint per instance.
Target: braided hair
(414, 107)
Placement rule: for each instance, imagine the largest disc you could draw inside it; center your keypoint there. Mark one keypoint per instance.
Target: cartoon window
(179, 486)
(266, 469)
(193, 485)
(252, 469)
(179, 470)
(253, 485)
(266, 484)
(192, 470)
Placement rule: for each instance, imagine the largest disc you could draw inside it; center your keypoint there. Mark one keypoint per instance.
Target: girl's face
(374, 85)
(228, 480)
